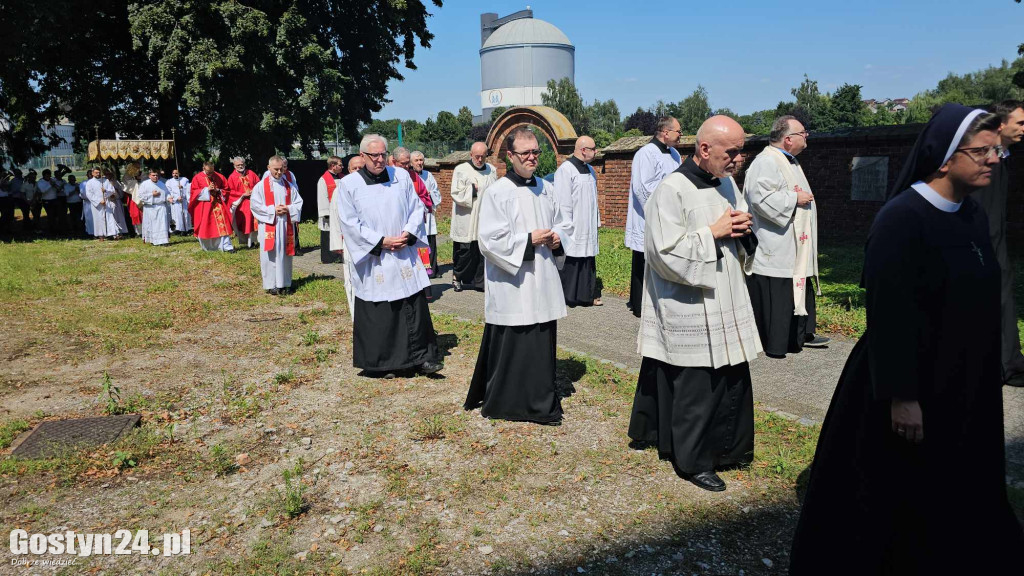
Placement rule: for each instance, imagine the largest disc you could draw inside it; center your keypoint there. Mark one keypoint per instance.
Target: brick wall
(826, 162)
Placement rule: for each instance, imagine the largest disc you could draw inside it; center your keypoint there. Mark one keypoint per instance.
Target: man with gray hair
(382, 220)
(697, 331)
(785, 222)
(239, 190)
(417, 161)
(650, 166)
(276, 205)
(469, 181)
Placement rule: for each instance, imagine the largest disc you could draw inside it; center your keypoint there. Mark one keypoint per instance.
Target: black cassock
(514, 378)
(579, 280)
(468, 265)
(772, 300)
(876, 504)
(393, 335)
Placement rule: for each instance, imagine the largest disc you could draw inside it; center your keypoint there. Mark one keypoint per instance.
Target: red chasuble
(136, 213)
(421, 190)
(211, 219)
(237, 186)
(331, 184)
(270, 230)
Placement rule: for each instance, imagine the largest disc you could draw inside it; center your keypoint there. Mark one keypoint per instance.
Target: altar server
(469, 182)
(156, 222)
(576, 192)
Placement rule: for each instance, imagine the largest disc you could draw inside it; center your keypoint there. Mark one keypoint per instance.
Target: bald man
(697, 330)
(576, 193)
(469, 181)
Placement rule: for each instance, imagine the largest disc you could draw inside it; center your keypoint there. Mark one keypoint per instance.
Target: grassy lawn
(395, 477)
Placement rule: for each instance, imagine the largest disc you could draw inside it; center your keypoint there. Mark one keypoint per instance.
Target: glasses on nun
(982, 154)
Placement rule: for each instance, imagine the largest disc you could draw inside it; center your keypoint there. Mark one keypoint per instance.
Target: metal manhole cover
(54, 437)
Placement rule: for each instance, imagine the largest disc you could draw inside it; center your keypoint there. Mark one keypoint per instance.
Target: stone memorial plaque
(54, 437)
(870, 178)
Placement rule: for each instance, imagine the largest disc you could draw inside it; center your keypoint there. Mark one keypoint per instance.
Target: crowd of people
(720, 274)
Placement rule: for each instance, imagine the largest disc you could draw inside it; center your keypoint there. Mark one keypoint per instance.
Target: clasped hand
(803, 198)
(281, 210)
(907, 420)
(393, 243)
(546, 237)
(732, 224)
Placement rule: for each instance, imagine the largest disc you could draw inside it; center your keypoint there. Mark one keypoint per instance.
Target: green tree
(604, 116)
(726, 112)
(759, 122)
(465, 121)
(811, 106)
(498, 112)
(692, 111)
(846, 107)
(244, 77)
(564, 97)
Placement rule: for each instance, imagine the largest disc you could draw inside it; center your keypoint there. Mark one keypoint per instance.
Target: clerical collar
(661, 146)
(370, 179)
(700, 177)
(520, 181)
(792, 159)
(933, 197)
(580, 165)
(480, 169)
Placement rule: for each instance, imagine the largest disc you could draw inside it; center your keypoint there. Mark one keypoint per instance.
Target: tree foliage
(563, 96)
(643, 120)
(692, 111)
(247, 77)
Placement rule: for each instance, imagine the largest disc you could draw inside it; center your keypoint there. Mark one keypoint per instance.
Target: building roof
(526, 31)
(634, 143)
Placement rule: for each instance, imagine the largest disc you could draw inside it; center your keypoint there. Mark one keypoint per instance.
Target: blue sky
(748, 54)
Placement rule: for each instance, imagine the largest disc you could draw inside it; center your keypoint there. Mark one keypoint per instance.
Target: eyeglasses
(675, 130)
(526, 154)
(985, 152)
(377, 156)
(805, 134)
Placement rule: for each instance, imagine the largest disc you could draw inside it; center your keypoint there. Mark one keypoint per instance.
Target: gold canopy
(131, 149)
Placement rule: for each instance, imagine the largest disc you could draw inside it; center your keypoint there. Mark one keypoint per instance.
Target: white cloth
(219, 244)
(177, 190)
(435, 198)
(46, 190)
(367, 213)
(71, 192)
(650, 166)
(466, 208)
(131, 188)
(275, 264)
(118, 206)
(337, 243)
(518, 292)
(156, 221)
(323, 205)
(87, 209)
(104, 220)
(934, 198)
(576, 193)
(769, 188)
(696, 309)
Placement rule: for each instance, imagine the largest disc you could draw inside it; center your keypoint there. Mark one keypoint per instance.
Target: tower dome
(519, 54)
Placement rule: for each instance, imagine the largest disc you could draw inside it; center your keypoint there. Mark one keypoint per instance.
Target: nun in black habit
(909, 473)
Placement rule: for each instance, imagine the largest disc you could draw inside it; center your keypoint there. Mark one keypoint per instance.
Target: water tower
(518, 55)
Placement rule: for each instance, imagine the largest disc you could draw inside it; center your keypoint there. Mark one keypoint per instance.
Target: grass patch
(10, 430)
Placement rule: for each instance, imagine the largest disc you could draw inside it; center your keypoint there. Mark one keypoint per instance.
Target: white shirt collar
(1006, 152)
(933, 197)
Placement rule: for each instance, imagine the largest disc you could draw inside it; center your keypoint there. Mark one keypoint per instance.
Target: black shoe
(273, 291)
(1016, 380)
(708, 481)
(775, 356)
(429, 367)
(815, 341)
(456, 285)
(639, 445)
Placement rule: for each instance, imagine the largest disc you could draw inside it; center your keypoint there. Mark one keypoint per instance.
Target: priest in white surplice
(522, 233)
(469, 182)
(276, 206)
(785, 222)
(177, 191)
(576, 192)
(325, 187)
(697, 332)
(381, 218)
(102, 201)
(156, 222)
(417, 161)
(650, 165)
